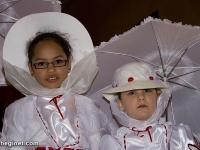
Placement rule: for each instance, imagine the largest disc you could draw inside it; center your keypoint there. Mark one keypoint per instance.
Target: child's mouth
(52, 79)
(142, 106)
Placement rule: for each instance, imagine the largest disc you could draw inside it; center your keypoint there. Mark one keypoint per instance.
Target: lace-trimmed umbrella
(172, 49)
(12, 10)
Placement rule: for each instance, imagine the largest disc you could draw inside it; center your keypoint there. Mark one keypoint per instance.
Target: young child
(60, 67)
(138, 101)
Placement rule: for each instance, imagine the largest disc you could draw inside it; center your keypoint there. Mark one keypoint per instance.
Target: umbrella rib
(9, 6)
(171, 51)
(136, 58)
(187, 67)
(175, 40)
(159, 52)
(8, 16)
(159, 75)
(183, 74)
(185, 81)
(174, 60)
(7, 22)
(177, 62)
(181, 57)
(2, 36)
(192, 87)
(183, 85)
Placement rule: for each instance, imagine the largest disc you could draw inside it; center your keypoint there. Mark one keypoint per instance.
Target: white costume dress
(35, 118)
(150, 134)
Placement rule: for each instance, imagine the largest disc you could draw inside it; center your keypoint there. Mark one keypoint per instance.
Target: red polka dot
(130, 79)
(151, 78)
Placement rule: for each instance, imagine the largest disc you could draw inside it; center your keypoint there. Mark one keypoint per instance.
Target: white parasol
(172, 49)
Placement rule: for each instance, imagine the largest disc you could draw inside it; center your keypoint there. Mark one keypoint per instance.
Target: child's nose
(50, 68)
(141, 96)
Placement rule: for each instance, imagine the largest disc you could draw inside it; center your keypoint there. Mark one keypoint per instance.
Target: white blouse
(70, 120)
(154, 137)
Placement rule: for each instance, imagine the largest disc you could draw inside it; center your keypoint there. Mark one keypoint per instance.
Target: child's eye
(58, 61)
(131, 93)
(147, 90)
(41, 64)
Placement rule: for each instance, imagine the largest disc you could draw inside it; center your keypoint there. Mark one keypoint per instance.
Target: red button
(151, 78)
(130, 79)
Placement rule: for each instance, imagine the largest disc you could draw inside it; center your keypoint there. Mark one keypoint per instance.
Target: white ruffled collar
(79, 80)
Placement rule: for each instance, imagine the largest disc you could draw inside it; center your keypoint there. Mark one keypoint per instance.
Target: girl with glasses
(53, 69)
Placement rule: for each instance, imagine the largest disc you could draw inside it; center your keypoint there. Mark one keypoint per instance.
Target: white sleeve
(13, 126)
(109, 143)
(182, 138)
(93, 120)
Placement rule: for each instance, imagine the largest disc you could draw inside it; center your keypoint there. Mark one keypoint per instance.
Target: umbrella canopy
(13, 10)
(172, 49)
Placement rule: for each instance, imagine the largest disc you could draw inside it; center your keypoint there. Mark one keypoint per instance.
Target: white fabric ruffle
(79, 80)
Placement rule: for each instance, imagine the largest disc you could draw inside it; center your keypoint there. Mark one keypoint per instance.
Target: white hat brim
(14, 50)
(134, 85)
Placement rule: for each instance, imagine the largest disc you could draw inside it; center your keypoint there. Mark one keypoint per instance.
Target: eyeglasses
(56, 63)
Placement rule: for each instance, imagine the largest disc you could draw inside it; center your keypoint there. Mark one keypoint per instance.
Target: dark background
(107, 18)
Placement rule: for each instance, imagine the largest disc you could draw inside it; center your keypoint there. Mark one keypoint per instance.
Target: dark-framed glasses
(56, 63)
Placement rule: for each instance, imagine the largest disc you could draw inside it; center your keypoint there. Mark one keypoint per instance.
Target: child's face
(51, 77)
(139, 104)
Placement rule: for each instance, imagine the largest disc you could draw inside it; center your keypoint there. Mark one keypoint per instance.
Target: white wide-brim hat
(14, 50)
(132, 76)
(15, 60)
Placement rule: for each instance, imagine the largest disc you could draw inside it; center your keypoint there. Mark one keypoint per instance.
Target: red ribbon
(55, 102)
(146, 130)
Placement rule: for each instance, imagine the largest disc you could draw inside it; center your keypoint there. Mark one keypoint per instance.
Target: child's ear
(119, 104)
(69, 64)
(30, 69)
